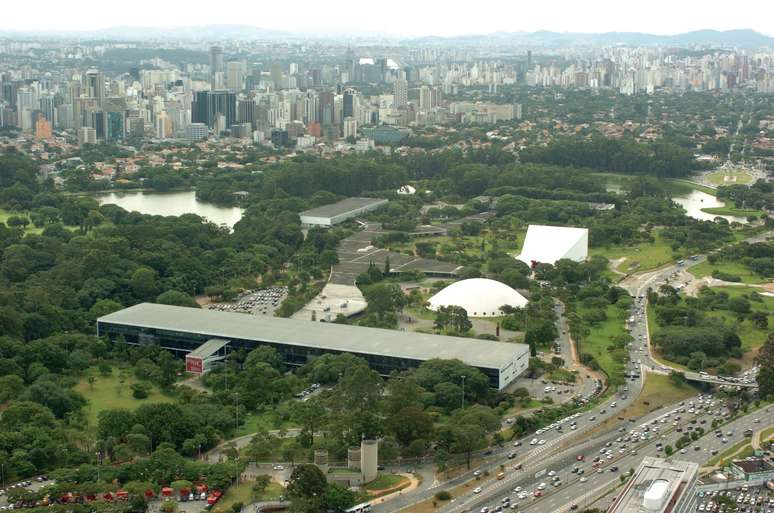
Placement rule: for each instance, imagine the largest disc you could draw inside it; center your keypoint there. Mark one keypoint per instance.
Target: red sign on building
(194, 365)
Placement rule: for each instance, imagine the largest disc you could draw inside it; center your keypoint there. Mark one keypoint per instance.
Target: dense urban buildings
(346, 98)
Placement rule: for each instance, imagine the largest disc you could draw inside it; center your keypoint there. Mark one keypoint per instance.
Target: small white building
(547, 244)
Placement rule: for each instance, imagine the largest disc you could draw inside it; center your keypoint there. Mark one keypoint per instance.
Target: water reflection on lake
(172, 204)
(697, 200)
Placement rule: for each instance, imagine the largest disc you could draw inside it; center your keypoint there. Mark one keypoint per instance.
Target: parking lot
(255, 302)
(737, 500)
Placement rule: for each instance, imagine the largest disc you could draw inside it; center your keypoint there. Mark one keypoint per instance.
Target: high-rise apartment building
(235, 75)
(42, 127)
(216, 67)
(400, 92)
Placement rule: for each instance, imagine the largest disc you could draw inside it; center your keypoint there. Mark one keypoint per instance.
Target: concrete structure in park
(201, 359)
(480, 297)
(182, 330)
(335, 213)
(361, 465)
(547, 244)
(659, 486)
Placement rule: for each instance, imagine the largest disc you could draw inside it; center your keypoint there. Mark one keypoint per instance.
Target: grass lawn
(676, 186)
(600, 338)
(752, 337)
(258, 421)
(734, 268)
(108, 392)
(766, 434)
(31, 228)
(244, 493)
(385, 481)
(730, 210)
(731, 451)
(718, 177)
(420, 312)
(470, 245)
(639, 257)
(657, 392)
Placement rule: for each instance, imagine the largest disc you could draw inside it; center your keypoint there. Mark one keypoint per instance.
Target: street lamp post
(463, 391)
(236, 429)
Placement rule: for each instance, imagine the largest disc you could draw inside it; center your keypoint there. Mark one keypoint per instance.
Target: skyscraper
(425, 97)
(349, 103)
(235, 75)
(246, 111)
(276, 75)
(93, 85)
(400, 91)
(210, 105)
(326, 108)
(216, 67)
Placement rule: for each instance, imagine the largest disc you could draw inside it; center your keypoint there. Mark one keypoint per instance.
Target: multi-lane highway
(546, 442)
(581, 482)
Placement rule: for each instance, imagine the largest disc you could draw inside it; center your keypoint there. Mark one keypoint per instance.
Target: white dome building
(480, 297)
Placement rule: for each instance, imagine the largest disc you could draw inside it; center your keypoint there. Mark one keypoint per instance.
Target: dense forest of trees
(661, 159)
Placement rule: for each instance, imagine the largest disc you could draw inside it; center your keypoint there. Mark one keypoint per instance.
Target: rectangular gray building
(335, 213)
(183, 330)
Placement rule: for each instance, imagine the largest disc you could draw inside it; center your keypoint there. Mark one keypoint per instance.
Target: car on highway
(583, 479)
(278, 467)
(477, 489)
(541, 442)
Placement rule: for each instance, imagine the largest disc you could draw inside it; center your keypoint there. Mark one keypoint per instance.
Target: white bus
(360, 508)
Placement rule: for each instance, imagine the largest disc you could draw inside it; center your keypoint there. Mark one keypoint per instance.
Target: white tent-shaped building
(547, 244)
(479, 297)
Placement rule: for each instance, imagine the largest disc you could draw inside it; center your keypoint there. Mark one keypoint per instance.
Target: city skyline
(403, 19)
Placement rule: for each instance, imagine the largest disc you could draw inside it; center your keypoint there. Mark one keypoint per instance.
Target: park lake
(172, 204)
(695, 201)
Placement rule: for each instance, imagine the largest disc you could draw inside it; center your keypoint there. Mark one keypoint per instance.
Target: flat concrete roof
(656, 481)
(326, 336)
(342, 207)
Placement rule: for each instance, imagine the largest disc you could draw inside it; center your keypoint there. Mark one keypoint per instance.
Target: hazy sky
(398, 17)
